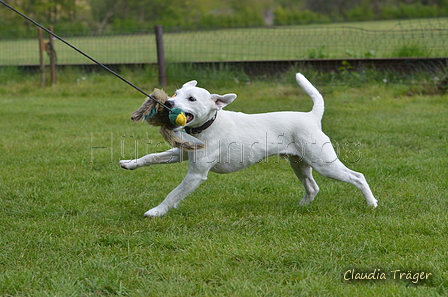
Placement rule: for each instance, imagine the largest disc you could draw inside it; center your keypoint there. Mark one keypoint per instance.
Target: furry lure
(154, 113)
(176, 115)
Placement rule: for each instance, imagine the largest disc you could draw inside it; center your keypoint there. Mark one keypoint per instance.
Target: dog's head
(197, 103)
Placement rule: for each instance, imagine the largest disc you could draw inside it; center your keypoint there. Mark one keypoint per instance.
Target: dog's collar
(198, 130)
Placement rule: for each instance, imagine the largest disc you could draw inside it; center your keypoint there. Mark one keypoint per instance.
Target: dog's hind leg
(304, 173)
(323, 158)
(338, 171)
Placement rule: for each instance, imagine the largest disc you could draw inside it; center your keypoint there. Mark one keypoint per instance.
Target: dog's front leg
(191, 181)
(173, 155)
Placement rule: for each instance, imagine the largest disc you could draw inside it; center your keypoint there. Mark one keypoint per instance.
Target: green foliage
(317, 53)
(411, 50)
(98, 16)
(216, 21)
(362, 12)
(10, 73)
(404, 11)
(246, 17)
(293, 16)
(221, 75)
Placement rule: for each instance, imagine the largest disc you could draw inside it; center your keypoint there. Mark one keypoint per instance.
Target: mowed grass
(374, 39)
(72, 221)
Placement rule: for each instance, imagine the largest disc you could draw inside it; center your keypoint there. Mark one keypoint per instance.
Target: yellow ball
(177, 117)
(181, 119)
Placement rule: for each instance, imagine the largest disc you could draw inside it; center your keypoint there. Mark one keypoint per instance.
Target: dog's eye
(191, 99)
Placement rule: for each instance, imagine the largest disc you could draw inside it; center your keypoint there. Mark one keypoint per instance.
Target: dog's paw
(128, 164)
(373, 203)
(305, 201)
(155, 212)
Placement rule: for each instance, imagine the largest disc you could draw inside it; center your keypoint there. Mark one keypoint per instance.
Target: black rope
(84, 54)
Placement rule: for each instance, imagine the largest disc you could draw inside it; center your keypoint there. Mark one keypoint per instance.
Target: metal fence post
(160, 55)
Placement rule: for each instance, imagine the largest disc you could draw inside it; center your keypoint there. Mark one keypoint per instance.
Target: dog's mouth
(189, 117)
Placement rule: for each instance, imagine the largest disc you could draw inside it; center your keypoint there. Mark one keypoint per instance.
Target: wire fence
(380, 39)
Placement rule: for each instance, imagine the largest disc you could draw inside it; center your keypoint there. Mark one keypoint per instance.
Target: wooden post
(52, 58)
(41, 57)
(160, 55)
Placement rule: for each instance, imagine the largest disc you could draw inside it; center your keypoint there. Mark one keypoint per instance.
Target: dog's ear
(222, 100)
(190, 84)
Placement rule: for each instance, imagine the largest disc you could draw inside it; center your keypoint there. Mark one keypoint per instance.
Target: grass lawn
(72, 221)
(375, 39)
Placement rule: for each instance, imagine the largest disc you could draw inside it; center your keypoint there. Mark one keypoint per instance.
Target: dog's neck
(199, 129)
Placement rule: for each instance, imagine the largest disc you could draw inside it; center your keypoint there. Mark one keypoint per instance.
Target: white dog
(236, 140)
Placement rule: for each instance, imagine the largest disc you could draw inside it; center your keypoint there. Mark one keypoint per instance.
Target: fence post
(41, 57)
(52, 58)
(160, 55)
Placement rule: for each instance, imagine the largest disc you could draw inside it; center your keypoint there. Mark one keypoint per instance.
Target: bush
(318, 53)
(215, 21)
(411, 50)
(241, 18)
(410, 11)
(363, 12)
(286, 16)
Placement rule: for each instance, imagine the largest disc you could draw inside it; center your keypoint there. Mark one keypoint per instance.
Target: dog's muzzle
(169, 104)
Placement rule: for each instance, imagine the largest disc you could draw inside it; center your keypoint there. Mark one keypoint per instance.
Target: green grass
(375, 39)
(72, 221)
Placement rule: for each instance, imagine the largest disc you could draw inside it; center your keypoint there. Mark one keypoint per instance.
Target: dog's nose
(169, 104)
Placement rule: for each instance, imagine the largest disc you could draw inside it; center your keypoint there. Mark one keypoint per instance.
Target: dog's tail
(318, 108)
